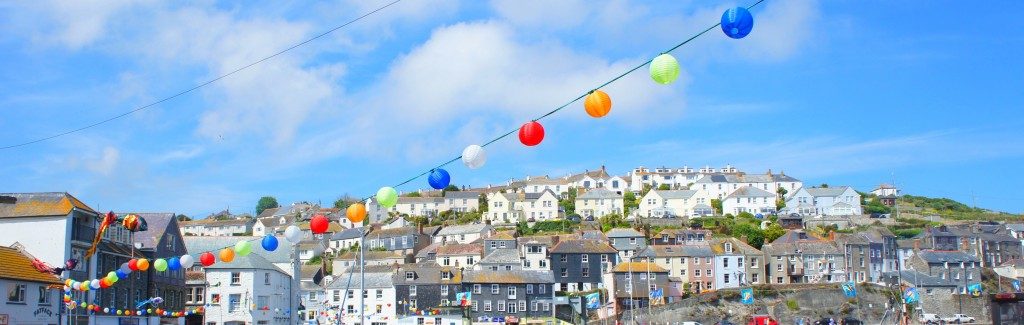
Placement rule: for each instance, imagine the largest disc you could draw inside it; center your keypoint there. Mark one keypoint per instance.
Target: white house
(539, 206)
(216, 228)
(501, 207)
(535, 256)
(675, 178)
(28, 300)
(749, 199)
(378, 297)
(419, 206)
(885, 190)
(460, 201)
(720, 185)
(249, 290)
(460, 255)
(463, 234)
(673, 203)
(559, 186)
(598, 202)
(827, 201)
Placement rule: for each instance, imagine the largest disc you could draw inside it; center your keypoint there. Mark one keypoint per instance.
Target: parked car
(958, 318)
(762, 320)
(930, 319)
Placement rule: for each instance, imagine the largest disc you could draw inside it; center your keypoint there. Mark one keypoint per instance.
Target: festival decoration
(439, 179)
(207, 259)
(108, 219)
(387, 197)
(133, 264)
(664, 69)
(319, 224)
(142, 264)
(160, 265)
(597, 104)
(46, 268)
(356, 212)
(243, 248)
(174, 263)
(747, 296)
(134, 223)
(531, 133)
(474, 156)
(187, 261)
(151, 301)
(737, 22)
(269, 243)
(227, 255)
(293, 234)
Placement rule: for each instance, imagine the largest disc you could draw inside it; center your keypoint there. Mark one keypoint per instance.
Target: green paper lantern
(664, 69)
(160, 265)
(243, 248)
(387, 197)
(112, 277)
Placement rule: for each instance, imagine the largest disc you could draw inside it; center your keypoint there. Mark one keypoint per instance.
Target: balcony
(796, 270)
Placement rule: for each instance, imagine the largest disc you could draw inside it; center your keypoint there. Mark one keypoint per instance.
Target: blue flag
(657, 294)
(464, 298)
(594, 300)
(850, 289)
(911, 296)
(1016, 285)
(974, 289)
(747, 296)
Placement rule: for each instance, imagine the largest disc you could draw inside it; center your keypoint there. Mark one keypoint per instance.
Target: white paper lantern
(187, 261)
(293, 234)
(474, 156)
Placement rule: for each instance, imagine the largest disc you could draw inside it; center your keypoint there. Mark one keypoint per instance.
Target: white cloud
(105, 163)
(79, 23)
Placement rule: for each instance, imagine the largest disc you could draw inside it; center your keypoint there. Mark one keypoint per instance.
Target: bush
(792, 304)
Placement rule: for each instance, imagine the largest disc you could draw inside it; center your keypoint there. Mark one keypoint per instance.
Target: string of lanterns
(97, 309)
(736, 23)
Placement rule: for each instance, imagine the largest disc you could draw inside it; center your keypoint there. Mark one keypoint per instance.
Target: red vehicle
(762, 320)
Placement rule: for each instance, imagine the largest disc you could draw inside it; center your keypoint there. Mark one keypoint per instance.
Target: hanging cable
(204, 84)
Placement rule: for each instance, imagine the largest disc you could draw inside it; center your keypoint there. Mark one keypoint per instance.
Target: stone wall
(811, 302)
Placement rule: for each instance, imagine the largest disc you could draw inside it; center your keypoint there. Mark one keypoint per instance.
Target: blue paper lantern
(174, 264)
(737, 22)
(121, 274)
(439, 179)
(269, 243)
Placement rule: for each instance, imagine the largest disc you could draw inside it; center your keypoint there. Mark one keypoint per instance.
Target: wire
(189, 90)
(574, 100)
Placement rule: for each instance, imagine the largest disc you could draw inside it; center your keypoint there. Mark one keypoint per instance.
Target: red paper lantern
(319, 224)
(132, 264)
(531, 133)
(207, 259)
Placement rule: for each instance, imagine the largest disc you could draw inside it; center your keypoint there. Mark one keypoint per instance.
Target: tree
(645, 189)
(717, 205)
(753, 233)
(449, 188)
(344, 201)
(664, 187)
(266, 202)
(629, 201)
(482, 206)
(780, 202)
(745, 215)
(773, 232)
(823, 185)
(569, 203)
(182, 217)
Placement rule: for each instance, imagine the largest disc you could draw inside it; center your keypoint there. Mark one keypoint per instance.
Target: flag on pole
(747, 296)
(1016, 285)
(464, 298)
(911, 296)
(594, 300)
(850, 289)
(974, 289)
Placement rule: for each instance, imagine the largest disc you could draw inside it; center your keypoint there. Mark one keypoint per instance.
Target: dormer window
(445, 275)
(409, 276)
(280, 221)
(728, 247)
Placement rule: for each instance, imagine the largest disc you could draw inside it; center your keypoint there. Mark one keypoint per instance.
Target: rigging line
(189, 90)
(606, 83)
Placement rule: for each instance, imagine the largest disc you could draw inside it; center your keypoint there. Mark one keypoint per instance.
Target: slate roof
(371, 255)
(156, 226)
(748, 191)
(416, 200)
(15, 265)
(919, 279)
(599, 193)
(582, 246)
(375, 280)
(677, 251)
(463, 229)
(426, 251)
(675, 194)
(393, 232)
(827, 191)
(595, 174)
(461, 195)
(502, 256)
(638, 267)
(738, 246)
(352, 233)
(18, 205)
(934, 256)
(501, 276)
(1017, 227)
(210, 222)
(460, 249)
(804, 247)
(793, 236)
(1016, 262)
(623, 233)
(546, 240)
(593, 235)
(1000, 237)
(427, 273)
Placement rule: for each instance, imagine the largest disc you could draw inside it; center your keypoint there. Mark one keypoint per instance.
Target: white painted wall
(252, 285)
(26, 313)
(53, 248)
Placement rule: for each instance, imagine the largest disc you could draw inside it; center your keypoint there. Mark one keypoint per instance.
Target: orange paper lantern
(356, 212)
(597, 104)
(142, 264)
(227, 255)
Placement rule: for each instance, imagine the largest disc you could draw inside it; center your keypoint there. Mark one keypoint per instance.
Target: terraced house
(578, 265)
(426, 285)
(737, 264)
(798, 257)
(525, 296)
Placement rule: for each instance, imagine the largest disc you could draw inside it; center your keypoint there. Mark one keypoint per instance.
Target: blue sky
(838, 92)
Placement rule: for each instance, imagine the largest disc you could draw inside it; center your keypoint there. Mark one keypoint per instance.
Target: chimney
(963, 244)
(602, 167)
(487, 222)
(555, 239)
(832, 235)
(769, 172)
(917, 244)
(419, 227)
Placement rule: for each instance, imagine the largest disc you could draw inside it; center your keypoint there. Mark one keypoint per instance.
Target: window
(508, 268)
(696, 260)
(412, 290)
(234, 302)
(337, 295)
(44, 296)
(726, 279)
(366, 293)
(547, 306)
(501, 305)
(16, 293)
(543, 263)
(214, 298)
(511, 292)
(696, 272)
(725, 262)
(586, 272)
(495, 289)
(778, 280)
(565, 272)
(563, 258)
(778, 267)
(604, 258)
(380, 294)
(728, 247)
(444, 290)
(753, 262)
(541, 289)
(350, 309)
(707, 260)
(536, 305)
(266, 278)
(262, 301)
(351, 293)
(236, 278)
(487, 305)
(446, 261)
(476, 288)
(753, 278)
(409, 276)
(446, 275)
